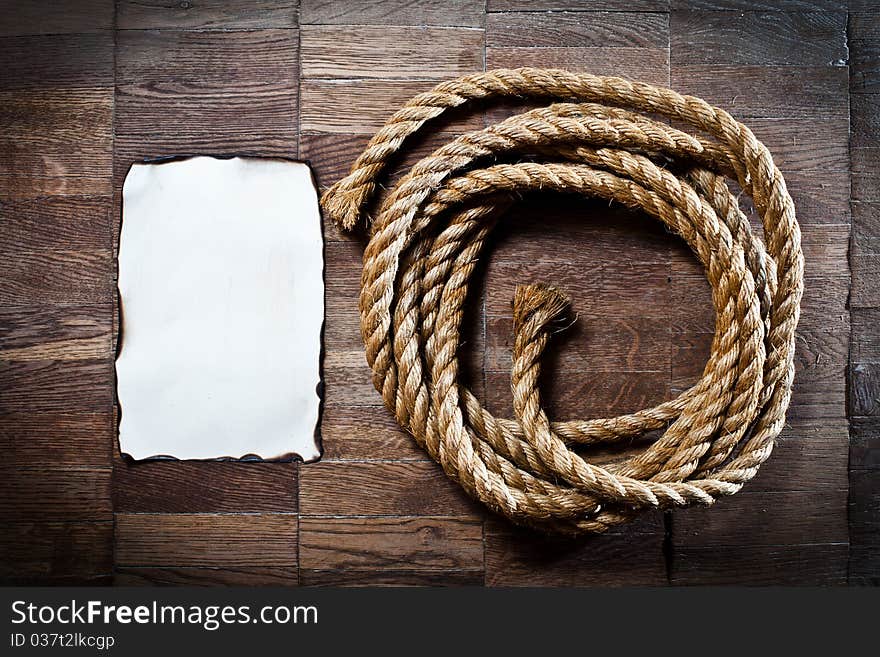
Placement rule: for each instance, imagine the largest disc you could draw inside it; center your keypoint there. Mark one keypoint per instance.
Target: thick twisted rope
(431, 228)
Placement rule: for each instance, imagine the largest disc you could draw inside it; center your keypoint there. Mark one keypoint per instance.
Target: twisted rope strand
(598, 140)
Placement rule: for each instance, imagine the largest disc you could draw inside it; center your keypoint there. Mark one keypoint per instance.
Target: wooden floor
(87, 88)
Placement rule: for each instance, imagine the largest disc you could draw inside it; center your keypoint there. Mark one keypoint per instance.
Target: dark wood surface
(87, 87)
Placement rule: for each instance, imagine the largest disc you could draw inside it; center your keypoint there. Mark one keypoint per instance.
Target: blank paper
(222, 306)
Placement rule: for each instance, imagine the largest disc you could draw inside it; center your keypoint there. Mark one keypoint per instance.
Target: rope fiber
(602, 137)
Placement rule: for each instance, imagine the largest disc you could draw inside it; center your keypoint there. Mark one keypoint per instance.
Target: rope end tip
(343, 211)
(551, 302)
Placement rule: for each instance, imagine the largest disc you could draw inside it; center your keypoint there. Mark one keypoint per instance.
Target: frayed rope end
(549, 301)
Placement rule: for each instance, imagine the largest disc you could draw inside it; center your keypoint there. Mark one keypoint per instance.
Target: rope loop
(599, 138)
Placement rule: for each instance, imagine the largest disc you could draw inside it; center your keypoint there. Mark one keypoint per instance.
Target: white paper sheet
(222, 294)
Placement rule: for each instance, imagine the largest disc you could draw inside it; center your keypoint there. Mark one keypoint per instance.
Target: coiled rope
(599, 141)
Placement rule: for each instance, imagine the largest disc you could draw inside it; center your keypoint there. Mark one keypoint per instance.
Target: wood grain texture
(865, 174)
(206, 540)
(56, 385)
(26, 17)
(205, 92)
(205, 15)
(628, 557)
(774, 565)
(750, 92)
(204, 487)
(646, 64)
(463, 13)
(414, 544)
(577, 5)
(866, 228)
(865, 117)
(61, 552)
(68, 332)
(760, 5)
(388, 52)
(551, 29)
(53, 494)
(386, 577)
(380, 489)
(45, 440)
(865, 341)
(63, 223)
(213, 576)
(360, 106)
(864, 450)
(56, 277)
(798, 38)
(366, 434)
(755, 518)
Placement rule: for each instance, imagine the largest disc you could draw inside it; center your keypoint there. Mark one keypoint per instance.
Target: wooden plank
(760, 5)
(365, 433)
(598, 288)
(864, 569)
(75, 440)
(577, 5)
(584, 395)
(75, 332)
(765, 91)
(61, 222)
(865, 337)
(865, 118)
(57, 62)
(50, 17)
(349, 385)
(206, 576)
(388, 52)
(205, 15)
(413, 544)
(56, 277)
(865, 281)
(810, 455)
(69, 142)
(63, 552)
(863, 19)
(54, 494)
(823, 307)
(800, 38)
(865, 173)
(206, 540)
(594, 343)
(864, 508)
(54, 385)
(645, 64)
(411, 488)
(775, 565)
(204, 487)
(864, 450)
(228, 93)
(820, 199)
(604, 29)
(363, 106)
(866, 228)
(462, 13)
(628, 556)
(765, 518)
(864, 66)
(547, 224)
(797, 145)
(864, 381)
(387, 577)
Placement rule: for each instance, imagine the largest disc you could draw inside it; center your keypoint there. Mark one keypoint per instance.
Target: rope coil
(598, 140)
